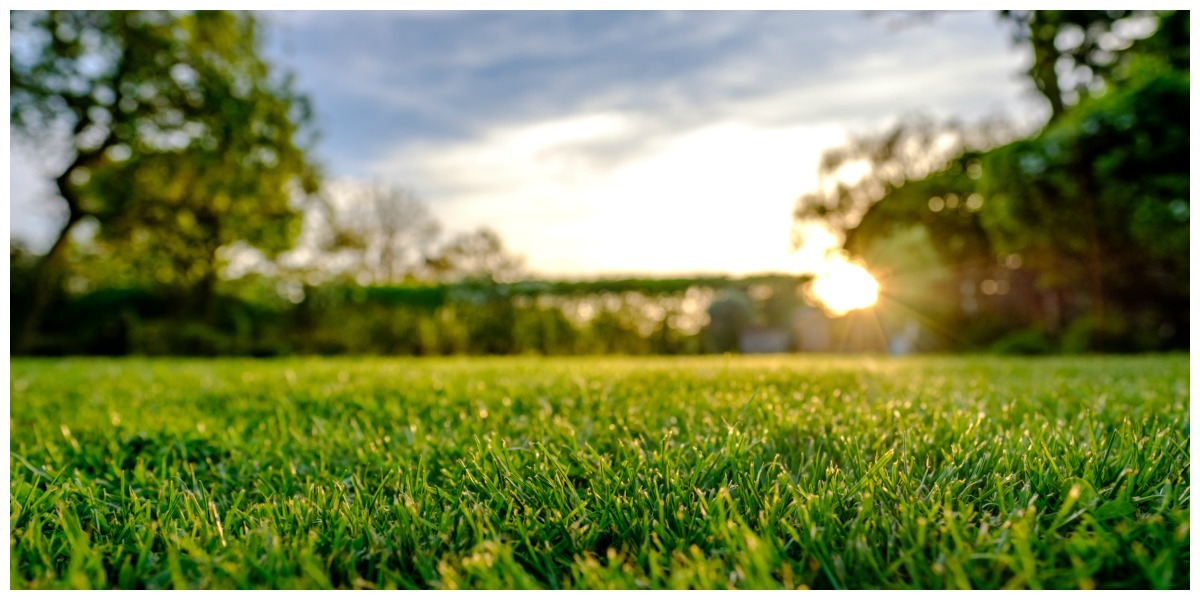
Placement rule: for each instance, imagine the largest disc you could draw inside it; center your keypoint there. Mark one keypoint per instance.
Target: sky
(616, 143)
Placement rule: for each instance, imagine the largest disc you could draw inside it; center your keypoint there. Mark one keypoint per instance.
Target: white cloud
(36, 212)
(706, 188)
(518, 155)
(715, 199)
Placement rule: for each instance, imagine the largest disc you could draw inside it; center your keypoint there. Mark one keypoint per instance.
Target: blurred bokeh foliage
(1074, 237)
(250, 316)
(189, 195)
(179, 139)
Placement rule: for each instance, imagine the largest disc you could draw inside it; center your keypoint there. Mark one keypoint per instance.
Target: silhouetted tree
(475, 255)
(386, 229)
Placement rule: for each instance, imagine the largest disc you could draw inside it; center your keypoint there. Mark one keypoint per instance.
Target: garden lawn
(704, 472)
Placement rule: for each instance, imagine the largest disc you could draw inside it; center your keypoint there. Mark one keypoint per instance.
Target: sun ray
(923, 319)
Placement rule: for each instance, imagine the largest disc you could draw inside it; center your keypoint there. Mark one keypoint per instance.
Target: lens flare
(843, 286)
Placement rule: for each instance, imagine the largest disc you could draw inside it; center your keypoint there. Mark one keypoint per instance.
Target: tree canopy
(180, 139)
(1091, 211)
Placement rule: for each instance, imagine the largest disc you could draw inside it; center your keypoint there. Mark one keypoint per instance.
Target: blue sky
(619, 142)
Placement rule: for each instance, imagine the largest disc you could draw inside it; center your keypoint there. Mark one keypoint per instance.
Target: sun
(843, 286)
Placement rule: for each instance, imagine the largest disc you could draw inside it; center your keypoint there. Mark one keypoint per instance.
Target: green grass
(712, 472)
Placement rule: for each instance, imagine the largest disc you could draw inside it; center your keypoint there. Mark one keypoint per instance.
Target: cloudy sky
(618, 142)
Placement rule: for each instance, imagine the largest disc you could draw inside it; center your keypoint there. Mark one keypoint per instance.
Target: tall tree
(1076, 52)
(1094, 203)
(178, 135)
(1118, 166)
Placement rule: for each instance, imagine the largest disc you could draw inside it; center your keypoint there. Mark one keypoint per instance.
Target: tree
(387, 228)
(477, 255)
(1093, 206)
(180, 139)
(1118, 165)
(1077, 52)
(870, 167)
(400, 233)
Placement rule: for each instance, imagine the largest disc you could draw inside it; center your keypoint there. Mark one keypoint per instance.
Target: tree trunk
(45, 270)
(205, 298)
(1045, 61)
(44, 278)
(204, 294)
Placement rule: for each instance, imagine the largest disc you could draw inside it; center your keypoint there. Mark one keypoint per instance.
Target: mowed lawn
(705, 472)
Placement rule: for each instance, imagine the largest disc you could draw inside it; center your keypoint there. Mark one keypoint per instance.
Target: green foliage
(264, 316)
(1032, 341)
(989, 473)
(233, 172)
(181, 140)
(1100, 200)
(1111, 335)
(896, 161)
(1077, 53)
(1087, 218)
(951, 221)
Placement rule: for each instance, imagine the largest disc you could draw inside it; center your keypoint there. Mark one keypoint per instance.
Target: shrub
(1027, 342)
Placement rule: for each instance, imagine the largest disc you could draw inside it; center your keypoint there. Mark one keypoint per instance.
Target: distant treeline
(254, 316)
(251, 317)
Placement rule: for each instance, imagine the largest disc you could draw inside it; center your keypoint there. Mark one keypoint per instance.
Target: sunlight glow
(843, 286)
(715, 198)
